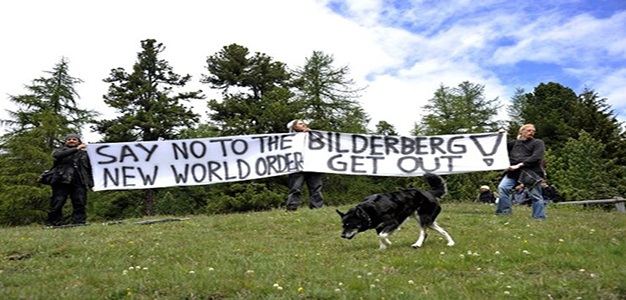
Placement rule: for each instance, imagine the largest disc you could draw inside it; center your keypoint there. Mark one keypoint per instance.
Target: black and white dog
(387, 211)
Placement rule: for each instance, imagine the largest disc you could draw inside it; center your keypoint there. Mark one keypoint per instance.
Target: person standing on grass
(296, 180)
(72, 177)
(525, 154)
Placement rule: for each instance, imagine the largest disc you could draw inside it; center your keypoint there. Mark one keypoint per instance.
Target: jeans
(535, 195)
(313, 182)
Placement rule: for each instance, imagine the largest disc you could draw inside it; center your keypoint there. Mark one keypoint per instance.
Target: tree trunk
(148, 202)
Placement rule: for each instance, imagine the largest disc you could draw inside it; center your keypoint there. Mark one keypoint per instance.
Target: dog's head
(354, 221)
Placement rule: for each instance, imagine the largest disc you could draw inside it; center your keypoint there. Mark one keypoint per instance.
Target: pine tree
(463, 109)
(255, 89)
(45, 114)
(149, 110)
(329, 96)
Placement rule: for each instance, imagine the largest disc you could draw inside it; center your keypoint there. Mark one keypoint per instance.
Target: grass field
(575, 254)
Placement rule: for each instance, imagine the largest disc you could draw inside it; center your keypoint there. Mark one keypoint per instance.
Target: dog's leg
(423, 235)
(383, 239)
(421, 239)
(443, 232)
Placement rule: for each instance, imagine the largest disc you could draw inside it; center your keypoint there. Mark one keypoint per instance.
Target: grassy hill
(277, 255)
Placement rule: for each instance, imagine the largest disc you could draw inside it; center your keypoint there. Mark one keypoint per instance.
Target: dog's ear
(340, 213)
(360, 212)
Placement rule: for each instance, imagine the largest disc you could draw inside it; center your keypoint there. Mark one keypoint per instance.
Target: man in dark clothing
(296, 180)
(72, 177)
(525, 154)
(485, 195)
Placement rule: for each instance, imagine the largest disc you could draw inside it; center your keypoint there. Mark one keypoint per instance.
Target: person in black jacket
(72, 177)
(525, 155)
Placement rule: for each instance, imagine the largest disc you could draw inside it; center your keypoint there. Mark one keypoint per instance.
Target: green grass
(278, 255)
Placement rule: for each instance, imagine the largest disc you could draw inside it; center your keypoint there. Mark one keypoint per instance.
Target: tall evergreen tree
(329, 96)
(463, 109)
(45, 114)
(384, 128)
(255, 90)
(149, 110)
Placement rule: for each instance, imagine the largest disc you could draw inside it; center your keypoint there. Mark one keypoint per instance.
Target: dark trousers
(60, 192)
(313, 182)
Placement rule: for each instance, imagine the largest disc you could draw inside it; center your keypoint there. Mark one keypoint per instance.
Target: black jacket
(72, 166)
(530, 152)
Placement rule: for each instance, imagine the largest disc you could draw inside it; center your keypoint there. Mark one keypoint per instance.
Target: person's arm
(539, 149)
(63, 152)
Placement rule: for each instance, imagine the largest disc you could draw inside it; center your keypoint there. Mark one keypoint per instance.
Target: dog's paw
(416, 245)
(450, 244)
(382, 247)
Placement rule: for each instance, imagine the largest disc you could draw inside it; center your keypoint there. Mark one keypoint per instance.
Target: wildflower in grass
(497, 253)
(377, 280)
(280, 288)
(561, 240)
(592, 275)
(340, 284)
(145, 268)
(581, 270)
(337, 290)
(192, 272)
(125, 272)
(411, 282)
(250, 272)
(372, 286)
(478, 269)
(507, 292)
(369, 274)
(525, 252)
(461, 256)
(300, 289)
(131, 268)
(442, 253)
(359, 276)
(211, 269)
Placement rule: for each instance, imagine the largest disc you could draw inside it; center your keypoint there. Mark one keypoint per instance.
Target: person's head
(526, 132)
(484, 188)
(72, 140)
(297, 125)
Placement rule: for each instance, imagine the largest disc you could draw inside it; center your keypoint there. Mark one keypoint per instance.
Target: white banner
(140, 165)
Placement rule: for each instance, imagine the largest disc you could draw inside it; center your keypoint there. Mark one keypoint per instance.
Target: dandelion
(581, 270)
(280, 288)
(442, 253)
(508, 286)
(192, 272)
(359, 276)
(372, 286)
(525, 252)
(131, 268)
(125, 272)
(561, 240)
(478, 269)
(211, 269)
(411, 282)
(507, 292)
(340, 284)
(369, 274)
(250, 272)
(469, 252)
(592, 275)
(300, 289)
(461, 256)
(337, 290)
(145, 268)
(497, 252)
(377, 280)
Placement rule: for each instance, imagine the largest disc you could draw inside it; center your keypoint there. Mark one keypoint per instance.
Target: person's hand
(502, 131)
(81, 146)
(515, 167)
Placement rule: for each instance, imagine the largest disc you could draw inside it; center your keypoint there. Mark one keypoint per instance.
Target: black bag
(529, 178)
(46, 177)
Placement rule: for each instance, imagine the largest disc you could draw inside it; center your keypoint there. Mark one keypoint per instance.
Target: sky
(399, 51)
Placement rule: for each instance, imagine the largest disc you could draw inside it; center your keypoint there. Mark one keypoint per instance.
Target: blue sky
(401, 51)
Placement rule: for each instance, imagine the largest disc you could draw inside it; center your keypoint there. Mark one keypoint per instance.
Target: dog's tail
(437, 184)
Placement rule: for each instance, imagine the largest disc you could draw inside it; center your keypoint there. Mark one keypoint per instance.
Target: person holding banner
(296, 180)
(525, 156)
(72, 177)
